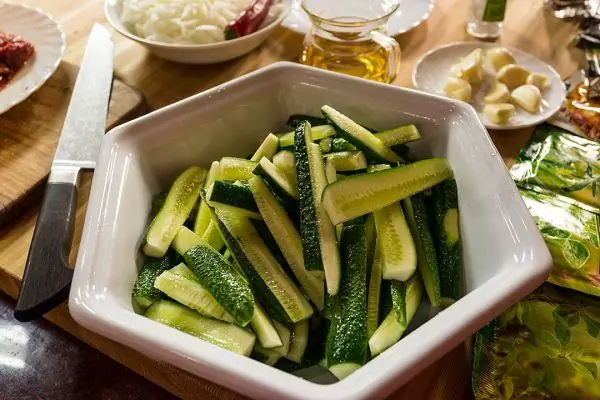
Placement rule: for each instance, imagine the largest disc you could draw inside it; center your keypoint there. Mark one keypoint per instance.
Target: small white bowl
(196, 53)
(503, 255)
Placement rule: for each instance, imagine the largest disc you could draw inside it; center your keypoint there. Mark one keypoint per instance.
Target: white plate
(39, 29)
(431, 71)
(410, 15)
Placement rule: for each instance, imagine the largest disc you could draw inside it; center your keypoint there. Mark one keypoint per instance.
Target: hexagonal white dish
(504, 256)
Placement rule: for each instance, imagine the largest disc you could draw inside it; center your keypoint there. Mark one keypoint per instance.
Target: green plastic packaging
(547, 346)
(572, 236)
(559, 162)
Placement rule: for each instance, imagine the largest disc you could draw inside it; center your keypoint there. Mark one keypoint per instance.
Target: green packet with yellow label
(556, 161)
(572, 236)
(547, 346)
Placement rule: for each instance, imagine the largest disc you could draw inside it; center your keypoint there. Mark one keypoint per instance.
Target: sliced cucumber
(447, 237)
(360, 137)
(281, 299)
(378, 167)
(144, 293)
(267, 149)
(347, 160)
(299, 341)
(295, 119)
(394, 325)
(212, 236)
(181, 285)
(287, 238)
(341, 144)
(179, 203)
(371, 239)
(400, 135)
(265, 356)
(374, 292)
(325, 145)
(399, 255)
(416, 215)
(330, 171)
(264, 328)
(227, 336)
(319, 132)
(232, 197)
(346, 348)
(286, 162)
(361, 194)
(318, 234)
(276, 179)
(285, 335)
(204, 216)
(216, 275)
(234, 168)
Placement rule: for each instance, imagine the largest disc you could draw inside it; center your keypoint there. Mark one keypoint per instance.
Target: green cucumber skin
(295, 119)
(144, 292)
(234, 195)
(182, 198)
(217, 276)
(415, 210)
(340, 144)
(265, 297)
(398, 296)
(347, 336)
(308, 213)
(445, 198)
(289, 204)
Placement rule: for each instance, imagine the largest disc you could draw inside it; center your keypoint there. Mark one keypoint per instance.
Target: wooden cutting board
(29, 134)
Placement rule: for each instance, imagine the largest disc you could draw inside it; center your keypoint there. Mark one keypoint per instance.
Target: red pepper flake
(249, 20)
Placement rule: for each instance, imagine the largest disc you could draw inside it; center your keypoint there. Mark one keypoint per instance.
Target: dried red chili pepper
(249, 20)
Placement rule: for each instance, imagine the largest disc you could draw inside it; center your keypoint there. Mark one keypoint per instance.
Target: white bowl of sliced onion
(197, 31)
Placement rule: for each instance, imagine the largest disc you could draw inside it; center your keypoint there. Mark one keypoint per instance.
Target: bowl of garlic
(508, 88)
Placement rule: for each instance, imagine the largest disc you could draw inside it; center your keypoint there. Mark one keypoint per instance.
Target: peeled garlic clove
(456, 72)
(513, 75)
(499, 114)
(498, 93)
(472, 66)
(458, 89)
(498, 57)
(528, 97)
(536, 79)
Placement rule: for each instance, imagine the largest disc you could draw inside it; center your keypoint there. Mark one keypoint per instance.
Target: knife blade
(47, 277)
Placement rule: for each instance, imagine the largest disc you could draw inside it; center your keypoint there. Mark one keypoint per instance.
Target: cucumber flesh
(265, 356)
(286, 162)
(400, 135)
(325, 145)
(347, 336)
(264, 328)
(204, 216)
(361, 194)
(227, 336)
(360, 137)
(276, 179)
(182, 286)
(317, 232)
(374, 292)
(217, 276)
(319, 132)
(287, 238)
(341, 144)
(212, 236)
(267, 149)
(144, 293)
(330, 171)
(399, 255)
(378, 167)
(179, 203)
(446, 234)
(234, 168)
(298, 341)
(263, 271)
(285, 335)
(392, 329)
(416, 216)
(343, 370)
(347, 160)
(233, 197)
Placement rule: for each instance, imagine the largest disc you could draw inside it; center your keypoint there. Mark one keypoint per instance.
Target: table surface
(163, 83)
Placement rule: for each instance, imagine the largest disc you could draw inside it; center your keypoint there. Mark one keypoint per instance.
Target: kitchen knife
(47, 277)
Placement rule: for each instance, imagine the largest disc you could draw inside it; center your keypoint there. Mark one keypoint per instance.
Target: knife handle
(47, 277)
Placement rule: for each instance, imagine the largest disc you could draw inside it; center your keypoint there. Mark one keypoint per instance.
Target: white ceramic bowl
(504, 256)
(196, 53)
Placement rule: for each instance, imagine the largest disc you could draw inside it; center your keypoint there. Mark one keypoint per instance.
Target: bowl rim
(115, 22)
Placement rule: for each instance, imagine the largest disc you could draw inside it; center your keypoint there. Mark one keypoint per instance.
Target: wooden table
(162, 82)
